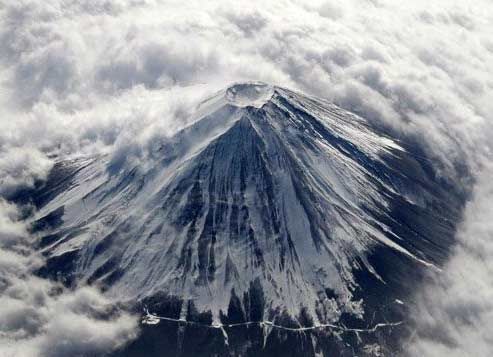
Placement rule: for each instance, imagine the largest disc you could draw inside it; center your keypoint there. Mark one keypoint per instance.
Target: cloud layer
(40, 317)
(454, 314)
(423, 67)
(85, 77)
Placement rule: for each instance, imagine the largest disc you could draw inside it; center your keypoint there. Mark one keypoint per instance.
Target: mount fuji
(274, 224)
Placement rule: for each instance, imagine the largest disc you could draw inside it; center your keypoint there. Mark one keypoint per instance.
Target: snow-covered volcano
(312, 206)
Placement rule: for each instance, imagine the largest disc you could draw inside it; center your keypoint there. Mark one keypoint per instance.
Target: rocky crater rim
(253, 93)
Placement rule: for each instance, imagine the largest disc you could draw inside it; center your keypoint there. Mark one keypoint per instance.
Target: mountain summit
(270, 206)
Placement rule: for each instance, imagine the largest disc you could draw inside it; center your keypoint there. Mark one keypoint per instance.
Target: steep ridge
(269, 196)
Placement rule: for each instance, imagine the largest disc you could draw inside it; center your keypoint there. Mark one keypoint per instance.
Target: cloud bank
(86, 77)
(40, 317)
(454, 314)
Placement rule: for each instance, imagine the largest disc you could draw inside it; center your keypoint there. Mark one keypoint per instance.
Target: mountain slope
(268, 193)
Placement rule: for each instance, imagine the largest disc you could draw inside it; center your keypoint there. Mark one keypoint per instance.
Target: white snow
(253, 94)
(148, 247)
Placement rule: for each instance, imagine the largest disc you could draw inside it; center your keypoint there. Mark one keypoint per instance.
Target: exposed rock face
(272, 206)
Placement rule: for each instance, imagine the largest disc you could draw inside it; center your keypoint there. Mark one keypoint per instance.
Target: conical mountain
(268, 193)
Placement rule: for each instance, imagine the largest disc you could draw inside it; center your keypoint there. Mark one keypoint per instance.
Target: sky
(91, 76)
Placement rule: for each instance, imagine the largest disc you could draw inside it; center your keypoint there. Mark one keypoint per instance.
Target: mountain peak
(295, 204)
(253, 93)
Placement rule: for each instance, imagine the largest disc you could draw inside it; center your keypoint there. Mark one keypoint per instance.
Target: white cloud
(21, 167)
(427, 66)
(40, 317)
(82, 77)
(454, 313)
(36, 321)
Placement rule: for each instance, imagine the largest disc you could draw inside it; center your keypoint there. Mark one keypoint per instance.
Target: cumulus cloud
(21, 167)
(454, 313)
(39, 321)
(87, 77)
(42, 318)
(426, 68)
